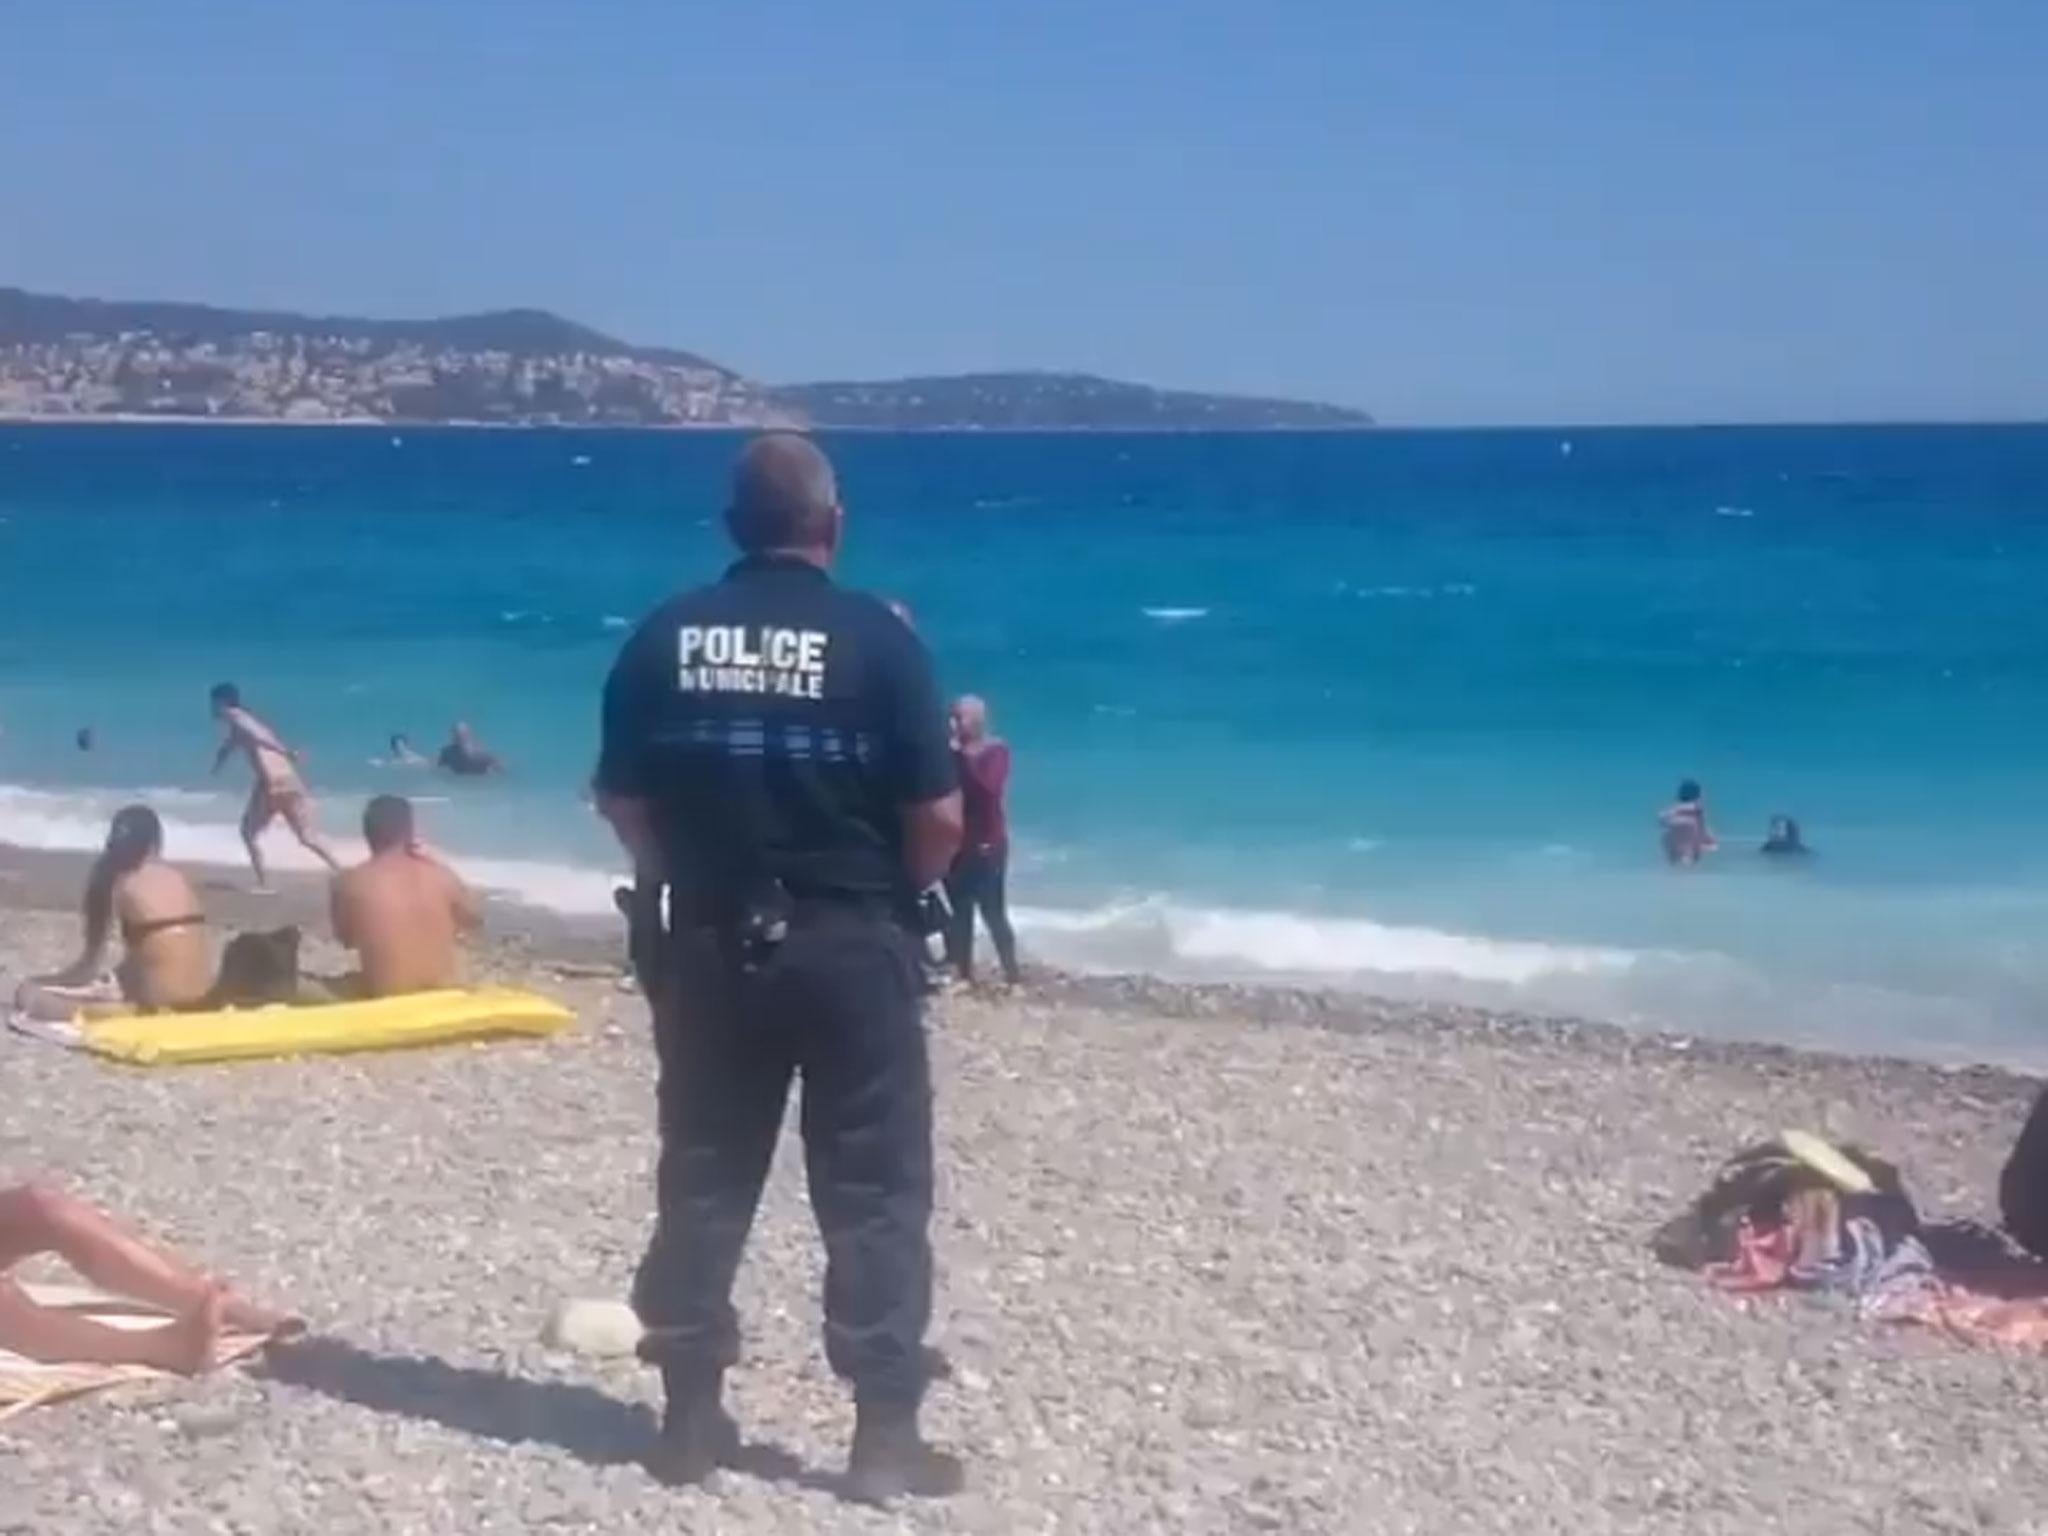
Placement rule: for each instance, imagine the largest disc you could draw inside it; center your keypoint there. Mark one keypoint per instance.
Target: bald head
(970, 718)
(784, 497)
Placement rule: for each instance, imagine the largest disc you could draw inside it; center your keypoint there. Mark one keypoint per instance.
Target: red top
(984, 777)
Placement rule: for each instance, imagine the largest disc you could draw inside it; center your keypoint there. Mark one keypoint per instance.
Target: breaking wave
(75, 821)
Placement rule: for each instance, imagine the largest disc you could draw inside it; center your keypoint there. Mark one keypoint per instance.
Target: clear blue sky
(1479, 210)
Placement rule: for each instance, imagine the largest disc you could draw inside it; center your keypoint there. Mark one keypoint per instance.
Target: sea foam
(75, 821)
(1158, 933)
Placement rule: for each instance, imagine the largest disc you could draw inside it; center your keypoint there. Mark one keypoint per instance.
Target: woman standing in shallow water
(1687, 837)
(981, 871)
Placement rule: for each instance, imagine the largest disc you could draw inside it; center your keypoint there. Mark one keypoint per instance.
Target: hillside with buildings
(89, 359)
(82, 358)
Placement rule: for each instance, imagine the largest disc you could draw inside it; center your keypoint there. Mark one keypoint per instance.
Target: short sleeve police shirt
(776, 721)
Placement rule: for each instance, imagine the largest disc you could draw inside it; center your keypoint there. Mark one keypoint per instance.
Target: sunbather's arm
(469, 911)
(91, 955)
(338, 911)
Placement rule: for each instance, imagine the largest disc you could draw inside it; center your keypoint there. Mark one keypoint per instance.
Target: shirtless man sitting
(278, 790)
(402, 911)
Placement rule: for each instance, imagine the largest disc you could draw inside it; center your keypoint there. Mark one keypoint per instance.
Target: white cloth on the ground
(26, 1383)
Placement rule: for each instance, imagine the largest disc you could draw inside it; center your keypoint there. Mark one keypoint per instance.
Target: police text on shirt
(751, 658)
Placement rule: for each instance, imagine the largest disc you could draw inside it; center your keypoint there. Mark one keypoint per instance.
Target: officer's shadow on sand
(510, 1410)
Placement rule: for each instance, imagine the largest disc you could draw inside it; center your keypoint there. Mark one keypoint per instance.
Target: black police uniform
(776, 723)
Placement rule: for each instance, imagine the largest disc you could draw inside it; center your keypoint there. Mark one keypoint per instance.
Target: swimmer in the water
(85, 738)
(403, 755)
(465, 756)
(1687, 838)
(1784, 838)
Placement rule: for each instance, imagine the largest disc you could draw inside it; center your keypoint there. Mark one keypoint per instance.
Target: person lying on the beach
(402, 911)
(465, 756)
(1687, 838)
(36, 1219)
(165, 961)
(278, 790)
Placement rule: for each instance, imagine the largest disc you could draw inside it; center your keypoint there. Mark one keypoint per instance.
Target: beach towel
(26, 1383)
(1800, 1214)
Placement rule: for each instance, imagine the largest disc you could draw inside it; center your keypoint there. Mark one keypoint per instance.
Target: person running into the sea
(402, 910)
(278, 790)
(1687, 837)
(981, 871)
(165, 961)
(465, 756)
(35, 1219)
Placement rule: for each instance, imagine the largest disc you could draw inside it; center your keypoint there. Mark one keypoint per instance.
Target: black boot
(697, 1435)
(889, 1457)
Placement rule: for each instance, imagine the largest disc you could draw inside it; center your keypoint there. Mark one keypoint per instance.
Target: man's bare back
(404, 913)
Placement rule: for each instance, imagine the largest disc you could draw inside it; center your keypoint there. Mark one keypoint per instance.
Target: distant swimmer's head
(388, 823)
(85, 738)
(785, 499)
(1784, 836)
(225, 696)
(461, 734)
(1689, 792)
(970, 719)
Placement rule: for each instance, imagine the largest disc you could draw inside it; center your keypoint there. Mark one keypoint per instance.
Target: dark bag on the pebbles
(2023, 1186)
(1754, 1186)
(258, 968)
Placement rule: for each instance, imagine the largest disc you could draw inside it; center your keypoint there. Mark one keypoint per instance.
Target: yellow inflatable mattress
(381, 1024)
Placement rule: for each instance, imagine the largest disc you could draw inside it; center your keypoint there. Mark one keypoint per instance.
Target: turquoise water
(1393, 711)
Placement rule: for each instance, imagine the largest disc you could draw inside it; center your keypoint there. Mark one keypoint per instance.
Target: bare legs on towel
(35, 1219)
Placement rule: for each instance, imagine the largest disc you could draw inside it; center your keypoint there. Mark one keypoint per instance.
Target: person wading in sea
(981, 873)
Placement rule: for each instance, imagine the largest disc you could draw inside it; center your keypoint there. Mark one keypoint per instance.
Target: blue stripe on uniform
(794, 742)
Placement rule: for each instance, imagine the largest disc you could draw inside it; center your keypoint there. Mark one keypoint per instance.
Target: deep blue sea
(1393, 711)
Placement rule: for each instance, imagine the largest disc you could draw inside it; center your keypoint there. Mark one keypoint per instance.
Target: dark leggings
(977, 884)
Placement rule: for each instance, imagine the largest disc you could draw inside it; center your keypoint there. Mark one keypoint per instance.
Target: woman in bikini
(165, 961)
(278, 790)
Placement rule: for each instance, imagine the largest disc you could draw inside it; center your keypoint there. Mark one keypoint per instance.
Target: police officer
(775, 754)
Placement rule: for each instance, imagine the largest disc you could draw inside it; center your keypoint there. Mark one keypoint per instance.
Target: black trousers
(837, 1004)
(977, 885)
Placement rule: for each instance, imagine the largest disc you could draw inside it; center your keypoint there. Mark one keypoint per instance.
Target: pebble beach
(1210, 1260)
